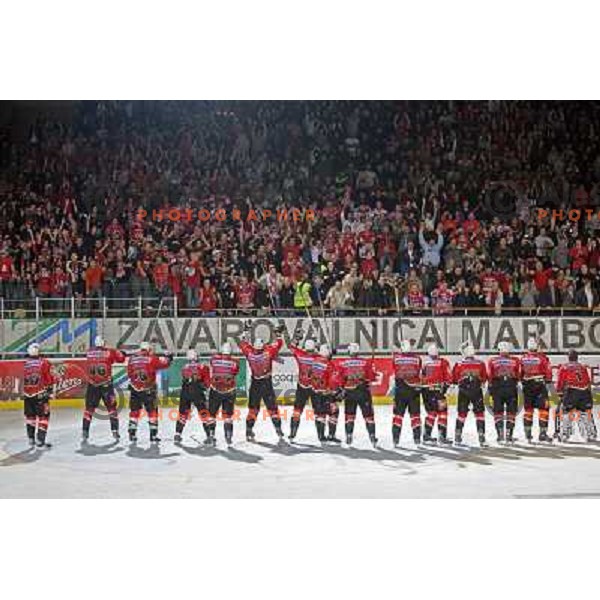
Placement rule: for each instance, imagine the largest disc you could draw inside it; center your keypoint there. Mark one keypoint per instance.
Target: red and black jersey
(37, 376)
(536, 367)
(304, 361)
(504, 367)
(99, 362)
(573, 375)
(323, 375)
(435, 372)
(353, 371)
(142, 368)
(469, 370)
(195, 377)
(261, 361)
(223, 373)
(407, 367)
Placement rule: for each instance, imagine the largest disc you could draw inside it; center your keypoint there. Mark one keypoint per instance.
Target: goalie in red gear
(260, 357)
(435, 379)
(194, 381)
(142, 368)
(536, 375)
(574, 387)
(504, 372)
(470, 375)
(38, 389)
(98, 364)
(354, 375)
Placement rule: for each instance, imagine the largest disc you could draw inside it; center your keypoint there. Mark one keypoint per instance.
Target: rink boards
(72, 380)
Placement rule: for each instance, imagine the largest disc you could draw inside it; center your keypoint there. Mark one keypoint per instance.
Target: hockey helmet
(192, 354)
(503, 347)
(353, 348)
(432, 350)
(33, 349)
(309, 345)
(405, 346)
(226, 348)
(532, 344)
(467, 350)
(324, 350)
(99, 342)
(259, 344)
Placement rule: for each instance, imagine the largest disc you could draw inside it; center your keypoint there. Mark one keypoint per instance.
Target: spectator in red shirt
(160, 276)
(59, 284)
(245, 292)
(208, 299)
(368, 266)
(7, 273)
(44, 283)
(93, 280)
(578, 255)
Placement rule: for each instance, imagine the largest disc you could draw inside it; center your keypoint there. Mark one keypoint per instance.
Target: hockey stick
(373, 335)
(399, 314)
(326, 329)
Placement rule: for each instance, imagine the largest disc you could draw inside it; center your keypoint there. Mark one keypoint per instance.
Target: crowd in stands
(419, 206)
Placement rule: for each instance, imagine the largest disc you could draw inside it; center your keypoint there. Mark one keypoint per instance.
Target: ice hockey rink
(104, 469)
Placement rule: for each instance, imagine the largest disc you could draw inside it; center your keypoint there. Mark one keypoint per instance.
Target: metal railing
(156, 307)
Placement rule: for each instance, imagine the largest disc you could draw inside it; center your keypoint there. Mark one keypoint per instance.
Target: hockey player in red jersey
(194, 382)
(141, 369)
(504, 372)
(223, 374)
(98, 364)
(574, 387)
(332, 398)
(470, 375)
(435, 379)
(407, 395)
(324, 384)
(536, 375)
(38, 389)
(260, 357)
(354, 375)
(304, 359)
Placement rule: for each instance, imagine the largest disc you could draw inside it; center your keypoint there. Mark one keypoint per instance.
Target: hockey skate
(544, 438)
(177, 438)
(228, 440)
(444, 441)
(373, 440)
(31, 442)
(250, 435)
(334, 440)
(482, 442)
(116, 435)
(458, 441)
(43, 444)
(154, 439)
(428, 440)
(132, 437)
(85, 436)
(349, 439)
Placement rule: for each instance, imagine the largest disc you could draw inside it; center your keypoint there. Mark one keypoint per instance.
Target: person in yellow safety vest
(302, 298)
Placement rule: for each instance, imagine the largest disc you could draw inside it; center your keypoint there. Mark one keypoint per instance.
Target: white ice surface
(265, 470)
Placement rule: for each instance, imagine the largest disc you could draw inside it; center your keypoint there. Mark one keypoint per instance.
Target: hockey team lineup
(327, 382)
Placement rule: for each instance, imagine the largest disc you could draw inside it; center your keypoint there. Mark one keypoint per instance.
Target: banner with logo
(382, 335)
